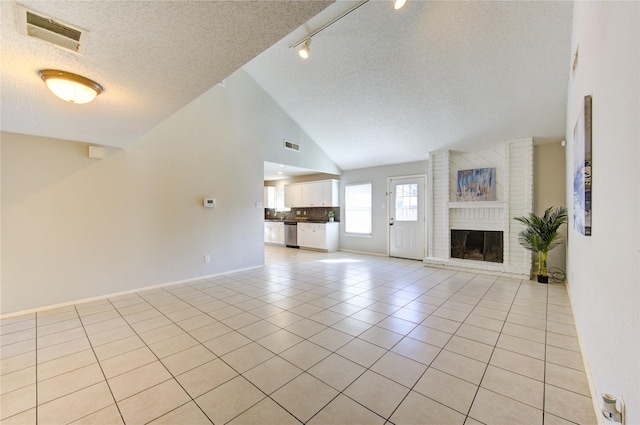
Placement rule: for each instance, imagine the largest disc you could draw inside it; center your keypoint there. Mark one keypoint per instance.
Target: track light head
(397, 4)
(304, 50)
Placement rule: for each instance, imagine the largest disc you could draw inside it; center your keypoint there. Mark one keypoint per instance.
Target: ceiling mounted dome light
(397, 4)
(70, 87)
(304, 50)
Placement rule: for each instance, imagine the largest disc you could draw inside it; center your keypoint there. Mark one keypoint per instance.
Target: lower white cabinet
(274, 232)
(321, 236)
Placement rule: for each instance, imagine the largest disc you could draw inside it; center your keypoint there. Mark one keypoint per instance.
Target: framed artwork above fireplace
(478, 184)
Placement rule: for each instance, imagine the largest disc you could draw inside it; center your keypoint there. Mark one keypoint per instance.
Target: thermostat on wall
(209, 202)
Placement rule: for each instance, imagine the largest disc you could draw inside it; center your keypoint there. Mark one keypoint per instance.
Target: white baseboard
(364, 252)
(595, 397)
(116, 294)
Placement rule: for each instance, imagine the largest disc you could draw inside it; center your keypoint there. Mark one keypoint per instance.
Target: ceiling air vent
(291, 146)
(49, 30)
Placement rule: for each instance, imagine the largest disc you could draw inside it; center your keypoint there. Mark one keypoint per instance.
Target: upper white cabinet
(330, 190)
(293, 195)
(312, 194)
(269, 197)
(322, 193)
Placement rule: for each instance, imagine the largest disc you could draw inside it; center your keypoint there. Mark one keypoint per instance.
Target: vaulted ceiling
(381, 86)
(384, 86)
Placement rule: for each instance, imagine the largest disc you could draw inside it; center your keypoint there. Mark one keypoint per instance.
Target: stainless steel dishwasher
(291, 234)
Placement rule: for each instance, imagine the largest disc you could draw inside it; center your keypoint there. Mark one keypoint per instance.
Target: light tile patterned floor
(312, 338)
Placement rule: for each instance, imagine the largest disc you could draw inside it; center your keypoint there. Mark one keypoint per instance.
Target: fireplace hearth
(477, 245)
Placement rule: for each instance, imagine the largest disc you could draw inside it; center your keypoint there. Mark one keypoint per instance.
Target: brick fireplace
(514, 192)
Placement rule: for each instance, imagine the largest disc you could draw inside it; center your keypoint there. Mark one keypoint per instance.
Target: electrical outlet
(207, 258)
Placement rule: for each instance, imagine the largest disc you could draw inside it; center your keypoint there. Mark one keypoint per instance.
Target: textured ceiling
(152, 57)
(384, 86)
(381, 86)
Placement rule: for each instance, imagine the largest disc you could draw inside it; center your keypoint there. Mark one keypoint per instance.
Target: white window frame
(364, 211)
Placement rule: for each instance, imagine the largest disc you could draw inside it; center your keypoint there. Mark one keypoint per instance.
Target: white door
(407, 217)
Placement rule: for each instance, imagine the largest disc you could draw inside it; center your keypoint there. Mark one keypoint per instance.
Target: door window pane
(406, 202)
(358, 208)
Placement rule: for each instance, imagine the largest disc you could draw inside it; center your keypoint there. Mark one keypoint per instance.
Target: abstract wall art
(582, 170)
(478, 184)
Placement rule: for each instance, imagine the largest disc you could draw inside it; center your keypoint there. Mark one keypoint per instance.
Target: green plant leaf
(541, 233)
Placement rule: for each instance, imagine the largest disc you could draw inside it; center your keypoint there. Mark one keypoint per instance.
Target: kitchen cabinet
(320, 236)
(312, 194)
(330, 192)
(269, 197)
(322, 193)
(274, 232)
(293, 195)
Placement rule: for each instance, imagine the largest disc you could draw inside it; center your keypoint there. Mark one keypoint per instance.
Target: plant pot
(331, 219)
(543, 279)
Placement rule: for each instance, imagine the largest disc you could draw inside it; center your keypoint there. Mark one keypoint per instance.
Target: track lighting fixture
(70, 87)
(304, 50)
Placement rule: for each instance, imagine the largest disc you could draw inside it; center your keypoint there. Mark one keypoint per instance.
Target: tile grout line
(99, 365)
(222, 360)
(242, 374)
(357, 337)
(305, 371)
(99, 361)
(36, 364)
(441, 349)
(493, 349)
(159, 360)
(406, 335)
(544, 385)
(217, 357)
(239, 373)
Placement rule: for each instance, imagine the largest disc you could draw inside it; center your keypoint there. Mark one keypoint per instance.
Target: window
(280, 200)
(407, 202)
(357, 199)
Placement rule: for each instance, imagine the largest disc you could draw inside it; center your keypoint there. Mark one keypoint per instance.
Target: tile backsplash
(302, 214)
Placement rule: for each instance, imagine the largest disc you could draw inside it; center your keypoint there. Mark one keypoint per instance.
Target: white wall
(377, 176)
(549, 189)
(75, 228)
(310, 156)
(603, 269)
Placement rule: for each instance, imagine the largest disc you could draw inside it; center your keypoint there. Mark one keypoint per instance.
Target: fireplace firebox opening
(477, 245)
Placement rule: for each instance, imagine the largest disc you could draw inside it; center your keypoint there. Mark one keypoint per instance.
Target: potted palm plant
(541, 235)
